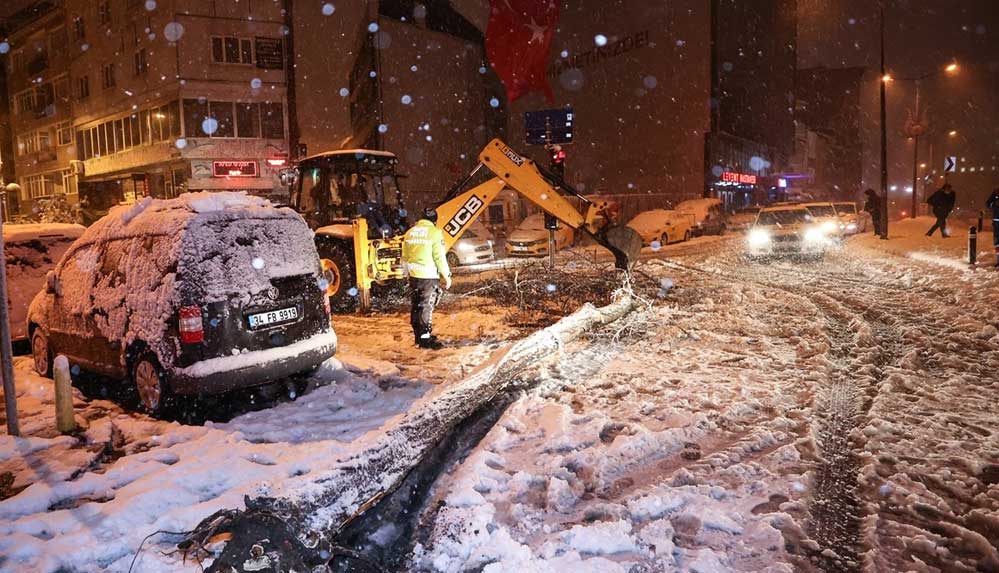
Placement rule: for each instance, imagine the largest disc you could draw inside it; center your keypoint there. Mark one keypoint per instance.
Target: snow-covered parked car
(854, 221)
(474, 247)
(662, 226)
(787, 231)
(709, 215)
(195, 295)
(530, 238)
(742, 219)
(32, 250)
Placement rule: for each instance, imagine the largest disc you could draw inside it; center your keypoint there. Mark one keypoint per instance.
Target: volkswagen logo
(273, 293)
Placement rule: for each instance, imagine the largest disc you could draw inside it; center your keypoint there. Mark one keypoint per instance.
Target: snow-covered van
(709, 215)
(195, 295)
(32, 250)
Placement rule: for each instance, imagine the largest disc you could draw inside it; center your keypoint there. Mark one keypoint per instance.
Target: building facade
(149, 98)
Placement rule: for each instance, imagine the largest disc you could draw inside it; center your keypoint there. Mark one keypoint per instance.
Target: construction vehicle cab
(333, 189)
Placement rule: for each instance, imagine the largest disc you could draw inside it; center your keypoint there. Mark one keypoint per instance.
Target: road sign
(549, 126)
(950, 164)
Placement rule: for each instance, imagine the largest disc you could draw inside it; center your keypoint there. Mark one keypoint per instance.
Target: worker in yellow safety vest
(423, 254)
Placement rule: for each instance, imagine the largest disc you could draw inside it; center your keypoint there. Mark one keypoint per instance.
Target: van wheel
(686, 235)
(41, 353)
(338, 265)
(664, 239)
(150, 384)
(452, 260)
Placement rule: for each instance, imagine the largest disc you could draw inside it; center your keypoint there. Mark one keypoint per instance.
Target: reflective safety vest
(423, 251)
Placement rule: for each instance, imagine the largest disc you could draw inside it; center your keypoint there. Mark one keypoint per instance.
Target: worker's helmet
(430, 214)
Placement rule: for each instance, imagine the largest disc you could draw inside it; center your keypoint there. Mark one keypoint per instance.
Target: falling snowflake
(494, 102)
(551, 288)
(373, 27)
(656, 245)
(352, 291)
(210, 125)
(344, 92)
(600, 40)
(650, 82)
(150, 5)
(173, 31)
(328, 9)
(382, 128)
(4, 47)
(257, 263)
(181, 143)
(406, 99)
(255, 83)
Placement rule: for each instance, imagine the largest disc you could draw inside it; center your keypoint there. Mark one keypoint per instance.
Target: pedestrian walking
(873, 206)
(942, 202)
(423, 254)
(993, 204)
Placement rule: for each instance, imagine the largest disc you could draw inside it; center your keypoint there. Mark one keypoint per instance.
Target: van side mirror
(51, 283)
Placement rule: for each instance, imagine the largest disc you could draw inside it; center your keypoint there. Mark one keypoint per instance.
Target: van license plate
(273, 317)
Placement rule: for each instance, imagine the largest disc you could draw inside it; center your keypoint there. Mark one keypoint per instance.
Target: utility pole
(884, 134)
(6, 354)
(917, 129)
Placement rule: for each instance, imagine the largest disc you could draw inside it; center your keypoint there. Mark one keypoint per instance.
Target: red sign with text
(234, 168)
(733, 177)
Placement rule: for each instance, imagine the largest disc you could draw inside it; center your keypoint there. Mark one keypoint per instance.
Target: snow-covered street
(774, 416)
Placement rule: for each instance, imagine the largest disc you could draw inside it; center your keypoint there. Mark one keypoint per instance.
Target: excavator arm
(380, 260)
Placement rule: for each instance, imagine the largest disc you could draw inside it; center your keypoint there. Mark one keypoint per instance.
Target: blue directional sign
(549, 126)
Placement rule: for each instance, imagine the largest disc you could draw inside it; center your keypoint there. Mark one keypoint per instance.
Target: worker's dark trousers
(940, 224)
(424, 293)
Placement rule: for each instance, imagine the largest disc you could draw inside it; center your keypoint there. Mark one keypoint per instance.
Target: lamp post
(917, 127)
(884, 133)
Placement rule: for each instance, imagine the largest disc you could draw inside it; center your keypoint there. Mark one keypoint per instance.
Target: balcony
(38, 65)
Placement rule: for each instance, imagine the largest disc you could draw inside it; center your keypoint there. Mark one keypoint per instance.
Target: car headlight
(851, 227)
(816, 235)
(758, 238)
(829, 226)
(465, 247)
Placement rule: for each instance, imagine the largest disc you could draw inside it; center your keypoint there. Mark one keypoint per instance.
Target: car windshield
(783, 217)
(846, 208)
(825, 210)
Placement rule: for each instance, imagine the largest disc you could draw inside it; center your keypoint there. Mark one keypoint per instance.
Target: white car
(788, 231)
(530, 238)
(474, 247)
(32, 250)
(662, 226)
(824, 213)
(855, 221)
(709, 215)
(743, 218)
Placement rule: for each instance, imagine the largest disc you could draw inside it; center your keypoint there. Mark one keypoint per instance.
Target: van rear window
(224, 258)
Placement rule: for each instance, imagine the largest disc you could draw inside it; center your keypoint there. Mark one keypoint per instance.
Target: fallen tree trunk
(300, 524)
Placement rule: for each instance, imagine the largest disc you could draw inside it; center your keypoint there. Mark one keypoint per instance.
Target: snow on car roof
(352, 152)
(783, 208)
(28, 231)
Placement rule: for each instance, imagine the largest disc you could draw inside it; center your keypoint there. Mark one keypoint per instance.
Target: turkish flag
(518, 41)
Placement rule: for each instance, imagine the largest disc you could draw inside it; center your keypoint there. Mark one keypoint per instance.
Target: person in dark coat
(942, 202)
(873, 206)
(993, 204)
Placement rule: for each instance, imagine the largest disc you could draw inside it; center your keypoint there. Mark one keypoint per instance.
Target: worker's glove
(446, 283)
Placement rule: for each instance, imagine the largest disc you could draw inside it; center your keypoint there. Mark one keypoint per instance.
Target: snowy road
(836, 416)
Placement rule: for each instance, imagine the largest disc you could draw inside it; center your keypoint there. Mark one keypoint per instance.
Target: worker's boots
(429, 342)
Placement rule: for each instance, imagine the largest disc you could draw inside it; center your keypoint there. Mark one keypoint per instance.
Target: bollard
(65, 422)
(972, 245)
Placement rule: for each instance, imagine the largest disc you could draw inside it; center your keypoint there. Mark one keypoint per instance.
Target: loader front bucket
(625, 243)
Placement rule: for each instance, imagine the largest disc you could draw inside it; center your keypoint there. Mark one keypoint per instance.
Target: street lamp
(917, 127)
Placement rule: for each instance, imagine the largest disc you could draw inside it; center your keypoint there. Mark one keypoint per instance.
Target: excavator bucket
(625, 243)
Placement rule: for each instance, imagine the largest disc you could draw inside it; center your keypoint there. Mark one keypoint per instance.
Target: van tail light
(192, 331)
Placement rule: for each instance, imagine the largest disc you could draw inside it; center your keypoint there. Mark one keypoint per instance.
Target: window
(107, 76)
(102, 140)
(195, 112)
(64, 133)
(232, 50)
(247, 120)
(272, 120)
(222, 112)
(82, 87)
(144, 126)
(36, 100)
(140, 62)
(24, 102)
(104, 12)
(33, 142)
(79, 28)
(39, 185)
(62, 88)
(133, 128)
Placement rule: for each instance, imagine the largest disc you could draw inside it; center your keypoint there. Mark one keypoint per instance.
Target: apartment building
(115, 100)
(40, 107)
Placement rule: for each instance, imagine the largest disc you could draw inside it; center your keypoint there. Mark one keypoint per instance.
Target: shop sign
(741, 178)
(235, 169)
